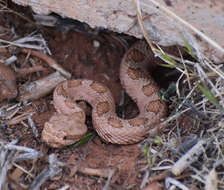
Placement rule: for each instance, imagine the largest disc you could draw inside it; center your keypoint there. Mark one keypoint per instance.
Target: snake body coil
(68, 124)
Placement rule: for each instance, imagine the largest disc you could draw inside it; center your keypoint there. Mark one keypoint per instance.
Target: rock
(8, 89)
(120, 16)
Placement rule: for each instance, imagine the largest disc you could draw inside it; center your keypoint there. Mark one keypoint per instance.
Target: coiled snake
(67, 125)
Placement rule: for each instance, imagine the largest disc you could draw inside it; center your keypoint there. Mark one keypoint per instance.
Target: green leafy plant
(208, 94)
(147, 153)
(85, 139)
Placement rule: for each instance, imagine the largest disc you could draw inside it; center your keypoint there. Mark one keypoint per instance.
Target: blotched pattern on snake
(67, 125)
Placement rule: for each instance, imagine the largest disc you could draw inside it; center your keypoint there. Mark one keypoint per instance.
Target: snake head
(63, 130)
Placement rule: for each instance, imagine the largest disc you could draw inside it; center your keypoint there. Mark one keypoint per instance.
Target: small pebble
(96, 43)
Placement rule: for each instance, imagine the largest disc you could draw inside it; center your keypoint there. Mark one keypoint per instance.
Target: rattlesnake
(67, 125)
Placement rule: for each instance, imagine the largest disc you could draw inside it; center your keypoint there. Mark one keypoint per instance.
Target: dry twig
(11, 153)
(54, 168)
(40, 88)
(51, 62)
(188, 158)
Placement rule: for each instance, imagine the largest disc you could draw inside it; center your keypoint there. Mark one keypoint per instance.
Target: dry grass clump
(193, 150)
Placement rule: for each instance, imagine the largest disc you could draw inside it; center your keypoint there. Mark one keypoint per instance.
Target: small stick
(11, 153)
(10, 60)
(45, 20)
(211, 180)
(21, 45)
(55, 167)
(161, 176)
(105, 173)
(25, 153)
(173, 181)
(40, 88)
(5, 164)
(65, 187)
(18, 119)
(33, 126)
(12, 113)
(23, 170)
(5, 160)
(51, 62)
(145, 179)
(188, 158)
(25, 71)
